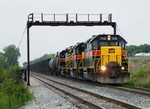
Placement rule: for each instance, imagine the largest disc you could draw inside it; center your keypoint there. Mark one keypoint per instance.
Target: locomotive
(101, 58)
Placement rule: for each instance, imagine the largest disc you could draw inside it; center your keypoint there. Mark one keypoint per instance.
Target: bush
(14, 96)
(13, 93)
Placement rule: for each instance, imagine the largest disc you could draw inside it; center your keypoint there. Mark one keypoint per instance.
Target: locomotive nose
(113, 69)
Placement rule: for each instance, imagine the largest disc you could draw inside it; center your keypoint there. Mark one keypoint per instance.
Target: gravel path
(46, 99)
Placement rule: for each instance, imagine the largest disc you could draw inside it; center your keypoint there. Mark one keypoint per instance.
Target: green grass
(13, 93)
(135, 60)
(140, 71)
(140, 78)
(18, 97)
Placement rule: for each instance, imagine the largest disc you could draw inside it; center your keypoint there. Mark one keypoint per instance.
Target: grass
(140, 72)
(140, 79)
(13, 93)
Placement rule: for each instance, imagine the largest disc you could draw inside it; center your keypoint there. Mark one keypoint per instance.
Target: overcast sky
(132, 17)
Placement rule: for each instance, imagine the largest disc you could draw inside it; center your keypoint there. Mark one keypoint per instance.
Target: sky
(132, 18)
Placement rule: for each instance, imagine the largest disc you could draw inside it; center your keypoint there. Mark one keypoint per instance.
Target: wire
(23, 34)
(119, 31)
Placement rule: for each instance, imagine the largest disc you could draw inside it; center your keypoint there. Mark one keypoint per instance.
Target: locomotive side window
(80, 49)
(77, 51)
(102, 38)
(95, 45)
(103, 43)
(114, 38)
(85, 49)
(122, 44)
(113, 43)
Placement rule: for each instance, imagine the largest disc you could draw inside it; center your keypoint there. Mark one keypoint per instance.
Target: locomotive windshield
(108, 40)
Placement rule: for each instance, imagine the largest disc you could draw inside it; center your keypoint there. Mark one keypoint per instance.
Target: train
(102, 58)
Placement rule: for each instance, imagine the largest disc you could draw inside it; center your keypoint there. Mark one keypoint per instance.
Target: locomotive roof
(78, 44)
(104, 35)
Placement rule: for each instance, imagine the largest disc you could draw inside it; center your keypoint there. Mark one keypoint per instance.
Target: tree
(2, 60)
(133, 49)
(11, 54)
(145, 48)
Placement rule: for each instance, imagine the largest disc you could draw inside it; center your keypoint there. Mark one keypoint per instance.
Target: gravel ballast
(46, 99)
(134, 99)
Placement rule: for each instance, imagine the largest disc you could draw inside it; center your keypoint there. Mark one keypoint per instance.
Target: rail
(126, 105)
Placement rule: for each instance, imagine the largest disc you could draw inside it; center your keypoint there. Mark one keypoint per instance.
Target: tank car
(53, 65)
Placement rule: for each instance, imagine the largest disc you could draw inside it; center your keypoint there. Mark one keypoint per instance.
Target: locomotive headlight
(122, 68)
(103, 68)
(108, 37)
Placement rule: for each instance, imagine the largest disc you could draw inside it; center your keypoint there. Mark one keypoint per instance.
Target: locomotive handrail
(98, 61)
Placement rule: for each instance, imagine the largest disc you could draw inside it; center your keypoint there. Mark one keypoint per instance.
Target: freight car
(101, 58)
(41, 66)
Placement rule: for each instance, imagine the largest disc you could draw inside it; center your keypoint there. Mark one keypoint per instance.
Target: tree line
(10, 55)
(133, 49)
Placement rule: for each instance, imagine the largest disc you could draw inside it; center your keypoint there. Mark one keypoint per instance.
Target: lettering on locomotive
(111, 50)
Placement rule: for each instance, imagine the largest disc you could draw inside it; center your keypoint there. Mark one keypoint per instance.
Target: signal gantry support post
(28, 54)
(65, 20)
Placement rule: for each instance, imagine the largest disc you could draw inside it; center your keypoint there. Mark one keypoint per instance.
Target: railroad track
(137, 90)
(131, 89)
(90, 99)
